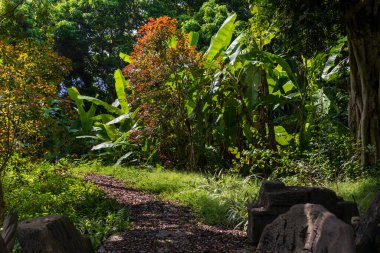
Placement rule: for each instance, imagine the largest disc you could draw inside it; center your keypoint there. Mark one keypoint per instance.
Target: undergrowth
(43, 189)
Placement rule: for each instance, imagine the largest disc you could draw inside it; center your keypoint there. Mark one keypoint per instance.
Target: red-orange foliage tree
(161, 76)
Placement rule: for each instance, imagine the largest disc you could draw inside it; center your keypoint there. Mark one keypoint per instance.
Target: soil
(164, 226)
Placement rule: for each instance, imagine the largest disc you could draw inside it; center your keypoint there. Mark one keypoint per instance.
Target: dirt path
(164, 226)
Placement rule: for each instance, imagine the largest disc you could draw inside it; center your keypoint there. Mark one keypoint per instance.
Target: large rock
(275, 198)
(307, 228)
(8, 233)
(367, 231)
(52, 234)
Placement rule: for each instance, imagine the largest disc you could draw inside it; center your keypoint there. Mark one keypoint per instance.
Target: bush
(45, 189)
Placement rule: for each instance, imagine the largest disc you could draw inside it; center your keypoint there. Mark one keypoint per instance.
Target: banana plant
(237, 83)
(85, 117)
(112, 129)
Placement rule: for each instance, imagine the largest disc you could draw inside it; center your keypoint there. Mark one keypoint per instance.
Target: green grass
(214, 199)
(220, 199)
(362, 191)
(38, 190)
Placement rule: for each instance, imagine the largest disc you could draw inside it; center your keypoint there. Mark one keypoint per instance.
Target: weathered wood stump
(275, 198)
(52, 234)
(307, 228)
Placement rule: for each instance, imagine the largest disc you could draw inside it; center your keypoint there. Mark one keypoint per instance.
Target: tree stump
(52, 234)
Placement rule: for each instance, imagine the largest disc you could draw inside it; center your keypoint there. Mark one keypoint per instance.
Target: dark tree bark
(2, 202)
(265, 125)
(363, 28)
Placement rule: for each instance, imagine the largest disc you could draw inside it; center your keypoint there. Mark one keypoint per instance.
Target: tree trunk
(264, 125)
(2, 202)
(363, 27)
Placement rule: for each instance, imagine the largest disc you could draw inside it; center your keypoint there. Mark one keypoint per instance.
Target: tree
(92, 33)
(29, 74)
(21, 19)
(160, 70)
(207, 22)
(318, 23)
(241, 7)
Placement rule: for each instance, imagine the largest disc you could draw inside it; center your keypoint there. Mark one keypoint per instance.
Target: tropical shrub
(162, 72)
(109, 132)
(60, 129)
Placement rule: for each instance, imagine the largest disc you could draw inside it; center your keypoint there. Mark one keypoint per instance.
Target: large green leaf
(263, 57)
(107, 106)
(119, 119)
(288, 86)
(111, 131)
(251, 81)
(222, 38)
(193, 38)
(234, 49)
(104, 118)
(84, 117)
(120, 160)
(125, 57)
(103, 145)
(322, 102)
(282, 136)
(120, 86)
(332, 69)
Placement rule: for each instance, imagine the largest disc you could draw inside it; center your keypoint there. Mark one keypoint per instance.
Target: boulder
(275, 198)
(367, 231)
(307, 228)
(52, 234)
(8, 233)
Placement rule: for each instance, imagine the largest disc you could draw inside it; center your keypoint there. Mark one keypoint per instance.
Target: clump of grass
(362, 191)
(44, 189)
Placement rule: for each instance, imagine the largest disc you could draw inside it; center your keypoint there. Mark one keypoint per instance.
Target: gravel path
(163, 226)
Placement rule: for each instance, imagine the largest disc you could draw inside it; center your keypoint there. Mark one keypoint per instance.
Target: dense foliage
(29, 73)
(51, 189)
(236, 105)
(276, 89)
